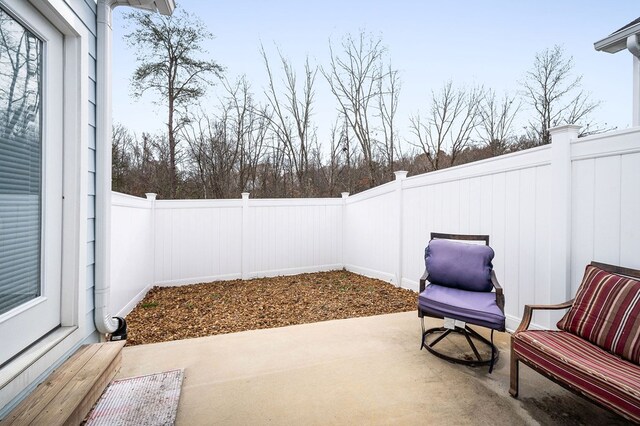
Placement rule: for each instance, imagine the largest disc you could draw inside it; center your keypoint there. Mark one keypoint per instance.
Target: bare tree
(292, 108)
(556, 96)
(496, 122)
(225, 151)
(166, 48)
(122, 146)
(212, 155)
(273, 175)
(331, 171)
(348, 150)
(389, 89)
(247, 128)
(20, 56)
(356, 78)
(140, 164)
(452, 119)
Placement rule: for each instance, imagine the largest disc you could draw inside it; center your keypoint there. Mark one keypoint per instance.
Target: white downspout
(633, 46)
(104, 322)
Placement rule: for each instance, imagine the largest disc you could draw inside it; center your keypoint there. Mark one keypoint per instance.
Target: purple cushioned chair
(461, 284)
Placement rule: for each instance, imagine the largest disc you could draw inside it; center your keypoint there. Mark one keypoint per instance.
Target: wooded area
(271, 147)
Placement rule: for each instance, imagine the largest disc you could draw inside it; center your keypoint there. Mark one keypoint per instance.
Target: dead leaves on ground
(172, 313)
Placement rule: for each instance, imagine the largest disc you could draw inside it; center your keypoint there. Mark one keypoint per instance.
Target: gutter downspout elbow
(633, 45)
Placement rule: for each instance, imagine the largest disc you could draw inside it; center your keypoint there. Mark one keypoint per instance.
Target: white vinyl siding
(86, 12)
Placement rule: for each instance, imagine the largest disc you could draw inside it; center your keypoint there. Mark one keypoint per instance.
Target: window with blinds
(20, 164)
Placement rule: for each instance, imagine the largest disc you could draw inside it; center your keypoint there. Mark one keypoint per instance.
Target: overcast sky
(492, 43)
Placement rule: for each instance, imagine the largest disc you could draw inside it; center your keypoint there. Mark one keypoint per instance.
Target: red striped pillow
(606, 312)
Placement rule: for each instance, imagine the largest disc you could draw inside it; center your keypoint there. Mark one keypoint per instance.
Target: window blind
(20, 164)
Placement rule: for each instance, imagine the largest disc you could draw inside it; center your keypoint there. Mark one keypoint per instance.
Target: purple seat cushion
(459, 265)
(474, 307)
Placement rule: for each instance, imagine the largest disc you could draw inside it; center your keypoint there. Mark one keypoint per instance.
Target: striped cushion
(606, 312)
(593, 372)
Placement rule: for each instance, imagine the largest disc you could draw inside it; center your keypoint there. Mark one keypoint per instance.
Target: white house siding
(86, 12)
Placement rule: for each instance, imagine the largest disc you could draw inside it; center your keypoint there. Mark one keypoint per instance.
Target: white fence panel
(198, 241)
(131, 251)
(294, 236)
(605, 201)
(371, 233)
(630, 210)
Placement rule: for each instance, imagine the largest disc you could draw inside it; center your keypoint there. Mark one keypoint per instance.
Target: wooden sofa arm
(499, 291)
(423, 281)
(528, 312)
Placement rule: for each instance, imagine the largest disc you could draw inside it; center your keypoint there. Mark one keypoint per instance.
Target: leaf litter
(219, 307)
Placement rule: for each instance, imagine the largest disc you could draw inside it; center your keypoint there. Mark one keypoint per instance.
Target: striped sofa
(596, 350)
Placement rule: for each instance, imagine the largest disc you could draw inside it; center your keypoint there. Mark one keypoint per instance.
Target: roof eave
(616, 41)
(164, 7)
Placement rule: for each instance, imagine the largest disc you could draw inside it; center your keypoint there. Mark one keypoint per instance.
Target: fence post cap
(565, 128)
(401, 174)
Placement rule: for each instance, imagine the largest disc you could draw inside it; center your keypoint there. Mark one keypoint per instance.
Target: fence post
(560, 215)
(400, 176)
(244, 246)
(343, 235)
(151, 197)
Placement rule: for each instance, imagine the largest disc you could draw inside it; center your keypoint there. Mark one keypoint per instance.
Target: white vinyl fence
(174, 242)
(548, 210)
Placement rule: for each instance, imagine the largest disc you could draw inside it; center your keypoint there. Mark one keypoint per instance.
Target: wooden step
(67, 395)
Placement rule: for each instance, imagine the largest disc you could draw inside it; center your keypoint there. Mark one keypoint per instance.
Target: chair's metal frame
(469, 334)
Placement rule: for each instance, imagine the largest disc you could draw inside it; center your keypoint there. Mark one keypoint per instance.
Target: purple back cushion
(459, 265)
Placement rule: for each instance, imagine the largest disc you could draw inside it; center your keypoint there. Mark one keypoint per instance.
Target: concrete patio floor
(354, 371)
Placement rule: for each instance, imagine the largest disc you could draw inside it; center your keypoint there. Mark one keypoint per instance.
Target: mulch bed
(173, 313)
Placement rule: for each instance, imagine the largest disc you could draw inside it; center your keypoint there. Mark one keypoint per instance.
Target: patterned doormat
(142, 401)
